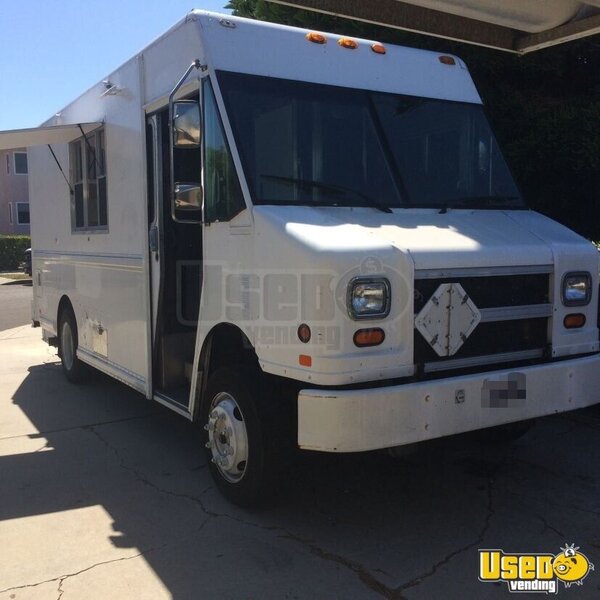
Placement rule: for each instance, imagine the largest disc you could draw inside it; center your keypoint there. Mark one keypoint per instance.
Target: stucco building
(14, 195)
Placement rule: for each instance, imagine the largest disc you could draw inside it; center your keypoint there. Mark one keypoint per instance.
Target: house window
(10, 213)
(22, 213)
(88, 178)
(20, 163)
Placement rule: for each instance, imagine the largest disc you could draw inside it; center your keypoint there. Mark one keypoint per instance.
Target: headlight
(577, 289)
(369, 298)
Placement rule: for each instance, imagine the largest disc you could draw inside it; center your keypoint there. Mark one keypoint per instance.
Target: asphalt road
(106, 495)
(15, 305)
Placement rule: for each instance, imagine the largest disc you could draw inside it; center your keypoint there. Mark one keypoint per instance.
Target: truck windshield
(314, 144)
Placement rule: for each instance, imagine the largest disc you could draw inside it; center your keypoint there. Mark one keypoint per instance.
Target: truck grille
(514, 327)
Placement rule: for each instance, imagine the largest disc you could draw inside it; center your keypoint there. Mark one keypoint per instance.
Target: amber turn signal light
(305, 361)
(378, 48)
(369, 337)
(574, 321)
(316, 38)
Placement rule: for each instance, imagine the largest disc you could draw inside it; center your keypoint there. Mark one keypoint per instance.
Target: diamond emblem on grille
(448, 319)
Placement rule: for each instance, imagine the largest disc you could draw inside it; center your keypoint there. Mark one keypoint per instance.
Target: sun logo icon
(571, 566)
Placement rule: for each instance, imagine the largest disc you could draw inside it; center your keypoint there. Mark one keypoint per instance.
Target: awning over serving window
(40, 136)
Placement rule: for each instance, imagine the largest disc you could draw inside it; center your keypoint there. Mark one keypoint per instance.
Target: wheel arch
(225, 345)
(64, 304)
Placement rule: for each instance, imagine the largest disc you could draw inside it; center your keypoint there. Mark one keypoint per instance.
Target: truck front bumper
(368, 419)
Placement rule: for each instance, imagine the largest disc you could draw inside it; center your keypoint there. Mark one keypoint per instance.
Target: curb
(5, 281)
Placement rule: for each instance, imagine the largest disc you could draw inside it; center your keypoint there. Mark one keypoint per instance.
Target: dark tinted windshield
(304, 143)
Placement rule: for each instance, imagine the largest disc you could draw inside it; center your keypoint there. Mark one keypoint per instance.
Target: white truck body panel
(103, 273)
(407, 242)
(278, 51)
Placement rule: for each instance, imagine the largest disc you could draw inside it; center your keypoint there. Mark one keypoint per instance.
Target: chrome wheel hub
(227, 437)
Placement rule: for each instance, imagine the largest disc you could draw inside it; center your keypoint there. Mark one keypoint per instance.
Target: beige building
(14, 194)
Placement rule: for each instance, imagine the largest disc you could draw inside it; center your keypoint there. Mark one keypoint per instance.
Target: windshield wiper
(480, 202)
(328, 187)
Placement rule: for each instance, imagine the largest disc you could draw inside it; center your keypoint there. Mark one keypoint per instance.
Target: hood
(433, 240)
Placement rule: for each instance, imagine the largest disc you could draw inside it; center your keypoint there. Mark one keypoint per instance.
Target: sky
(53, 50)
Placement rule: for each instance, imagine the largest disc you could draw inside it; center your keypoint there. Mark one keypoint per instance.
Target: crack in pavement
(547, 527)
(75, 427)
(444, 561)
(559, 507)
(379, 587)
(60, 589)
(143, 480)
(363, 573)
(555, 473)
(62, 578)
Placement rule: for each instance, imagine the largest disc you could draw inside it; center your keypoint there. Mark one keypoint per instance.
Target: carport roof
(510, 25)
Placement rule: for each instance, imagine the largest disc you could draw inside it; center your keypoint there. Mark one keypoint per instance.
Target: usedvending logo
(542, 573)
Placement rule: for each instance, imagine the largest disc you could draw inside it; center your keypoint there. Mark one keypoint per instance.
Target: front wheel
(242, 438)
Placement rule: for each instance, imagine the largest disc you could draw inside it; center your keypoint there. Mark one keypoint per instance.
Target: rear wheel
(73, 368)
(243, 437)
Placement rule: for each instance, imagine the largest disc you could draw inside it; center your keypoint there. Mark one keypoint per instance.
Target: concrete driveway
(105, 495)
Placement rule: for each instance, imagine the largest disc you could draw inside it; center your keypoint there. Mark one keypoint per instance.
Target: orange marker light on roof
(447, 60)
(378, 48)
(316, 38)
(348, 43)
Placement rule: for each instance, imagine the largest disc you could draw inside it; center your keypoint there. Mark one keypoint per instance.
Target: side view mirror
(187, 202)
(187, 129)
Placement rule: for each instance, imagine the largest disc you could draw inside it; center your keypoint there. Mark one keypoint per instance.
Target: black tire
(68, 341)
(252, 482)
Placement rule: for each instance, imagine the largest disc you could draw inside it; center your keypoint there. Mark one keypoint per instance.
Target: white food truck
(299, 239)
